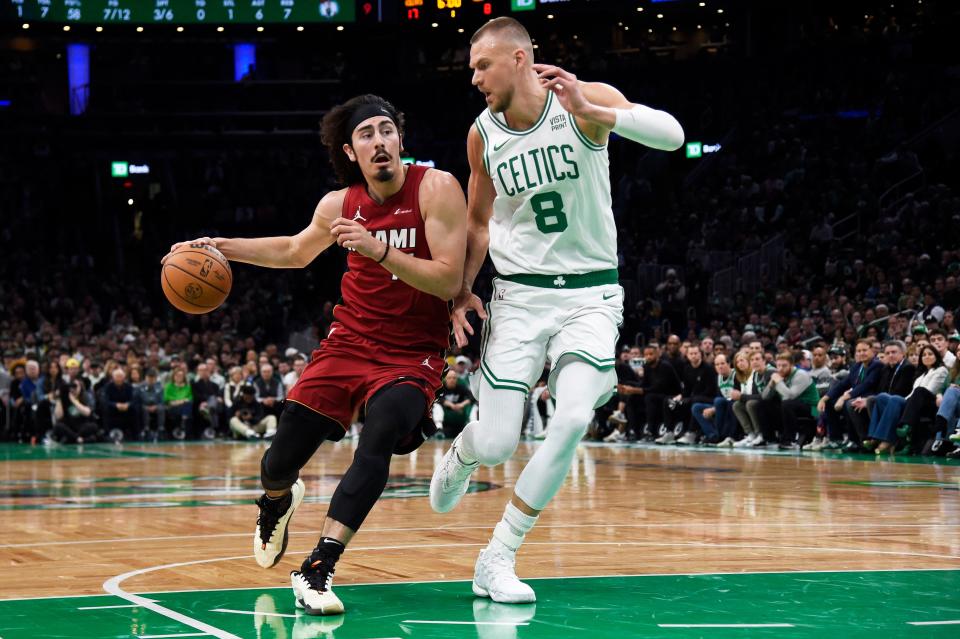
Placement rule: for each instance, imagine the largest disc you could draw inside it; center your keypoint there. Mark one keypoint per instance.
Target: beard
(384, 174)
(501, 105)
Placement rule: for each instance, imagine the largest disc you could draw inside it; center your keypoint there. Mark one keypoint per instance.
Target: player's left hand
(351, 235)
(564, 85)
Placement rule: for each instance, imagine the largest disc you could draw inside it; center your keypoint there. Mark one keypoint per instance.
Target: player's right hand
(463, 303)
(200, 240)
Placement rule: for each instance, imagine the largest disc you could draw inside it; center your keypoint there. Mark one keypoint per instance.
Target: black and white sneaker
(270, 537)
(313, 584)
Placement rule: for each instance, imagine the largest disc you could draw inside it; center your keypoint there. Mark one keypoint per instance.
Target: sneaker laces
(317, 570)
(271, 510)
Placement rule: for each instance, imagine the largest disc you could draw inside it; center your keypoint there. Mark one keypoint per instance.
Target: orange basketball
(196, 278)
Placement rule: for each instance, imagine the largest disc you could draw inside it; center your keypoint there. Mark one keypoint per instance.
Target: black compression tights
(391, 414)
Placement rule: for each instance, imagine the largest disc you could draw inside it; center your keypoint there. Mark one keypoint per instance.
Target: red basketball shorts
(345, 372)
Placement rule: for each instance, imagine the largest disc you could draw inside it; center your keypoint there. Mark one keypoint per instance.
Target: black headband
(365, 112)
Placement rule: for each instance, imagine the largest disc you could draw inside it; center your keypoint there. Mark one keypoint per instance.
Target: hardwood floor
(76, 519)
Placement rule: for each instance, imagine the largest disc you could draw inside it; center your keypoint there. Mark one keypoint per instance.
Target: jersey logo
(402, 211)
(497, 147)
(560, 282)
(558, 122)
(357, 215)
(426, 362)
(606, 296)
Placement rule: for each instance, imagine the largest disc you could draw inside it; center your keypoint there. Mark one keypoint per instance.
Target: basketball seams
(196, 277)
(174, 290)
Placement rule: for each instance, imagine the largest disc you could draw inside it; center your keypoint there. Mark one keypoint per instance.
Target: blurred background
(815, 200)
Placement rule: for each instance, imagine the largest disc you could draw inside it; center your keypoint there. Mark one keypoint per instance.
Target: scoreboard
(427, 10)
(181, 11)
(219, 12)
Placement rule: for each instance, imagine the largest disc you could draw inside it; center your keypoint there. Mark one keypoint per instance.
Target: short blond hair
(506, 26)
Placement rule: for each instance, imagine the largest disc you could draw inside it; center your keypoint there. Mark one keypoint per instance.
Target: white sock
(510, 531)
(493, 439)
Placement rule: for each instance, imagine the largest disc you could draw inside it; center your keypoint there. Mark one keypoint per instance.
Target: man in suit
(841, 400)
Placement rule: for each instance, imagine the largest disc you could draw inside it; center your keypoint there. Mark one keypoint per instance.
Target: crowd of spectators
(99, 352)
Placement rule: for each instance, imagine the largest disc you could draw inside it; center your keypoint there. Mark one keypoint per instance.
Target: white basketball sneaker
(313, 585)
(272, 533)
(450, 479)
(496, 577)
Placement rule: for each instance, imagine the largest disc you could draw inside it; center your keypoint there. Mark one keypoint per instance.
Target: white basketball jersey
(552, 213)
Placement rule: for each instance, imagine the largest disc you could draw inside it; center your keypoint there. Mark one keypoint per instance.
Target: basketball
(196, 279)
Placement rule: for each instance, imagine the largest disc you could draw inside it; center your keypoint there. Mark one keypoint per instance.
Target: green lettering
(503, 183)
(536, 164)
(553, 167)
(523, 163)
(515, 174)
(576, 169)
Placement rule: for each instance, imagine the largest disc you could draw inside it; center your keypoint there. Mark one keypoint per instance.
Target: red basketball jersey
(376, 305)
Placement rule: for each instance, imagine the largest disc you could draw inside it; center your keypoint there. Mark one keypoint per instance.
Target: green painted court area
(804, 605)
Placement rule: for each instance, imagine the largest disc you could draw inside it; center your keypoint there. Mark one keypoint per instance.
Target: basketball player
(405, 227)
(539, 199)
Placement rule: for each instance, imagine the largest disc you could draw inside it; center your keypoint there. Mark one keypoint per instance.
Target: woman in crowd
(231, 390)
(889, 411)
(75, 422)
(178, 396)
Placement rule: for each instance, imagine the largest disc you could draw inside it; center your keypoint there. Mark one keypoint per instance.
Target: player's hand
(200, 240)
(352, 236)
(463, 303)
(564, 85)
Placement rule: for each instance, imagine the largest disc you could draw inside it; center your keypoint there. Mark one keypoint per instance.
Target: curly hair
(334, 134)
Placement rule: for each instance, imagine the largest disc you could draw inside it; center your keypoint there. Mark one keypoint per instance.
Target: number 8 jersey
(552, 213)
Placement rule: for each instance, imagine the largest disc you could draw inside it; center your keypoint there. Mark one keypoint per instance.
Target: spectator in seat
(836, 405)
(715, 417)
(270, 391)
(452, 412)
(699, 387)
(75, 421)
(206, 397)
(820, 369)
(153, 411)
(892, 411)
(248, 419)
(296, 370)
(178, 397)
(231, 390)
(797, 395)
(938, 338)
(628, 416)
(120, 414)
(747, 406)
(673, 353)
(660, 381)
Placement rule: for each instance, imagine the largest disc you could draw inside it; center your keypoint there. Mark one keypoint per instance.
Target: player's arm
(444, 220)
(293, 251)
(480, 197)
(600, 108)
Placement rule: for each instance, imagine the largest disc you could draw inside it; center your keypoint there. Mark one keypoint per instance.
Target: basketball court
(154, 540)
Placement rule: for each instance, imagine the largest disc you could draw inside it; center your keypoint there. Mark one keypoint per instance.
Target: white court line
(112, 586)
(952, 622)
(725, 625)
(840, 571)
(711, 524)
(254, 612)
(471, 623)
(187, 634)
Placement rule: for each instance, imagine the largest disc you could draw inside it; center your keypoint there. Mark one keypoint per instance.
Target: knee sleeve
(391, 415)
(299, 434)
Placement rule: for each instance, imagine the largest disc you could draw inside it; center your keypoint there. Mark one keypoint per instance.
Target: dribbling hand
(209, 241)
(463, 303)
